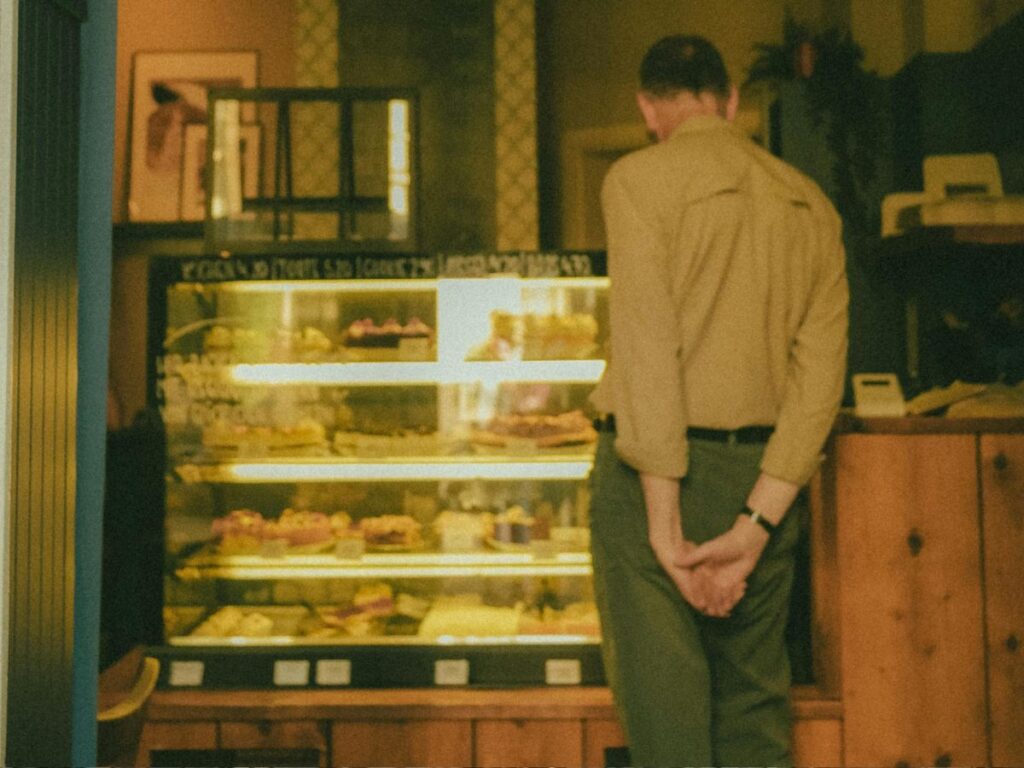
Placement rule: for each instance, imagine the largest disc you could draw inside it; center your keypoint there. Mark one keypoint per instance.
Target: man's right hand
(696, 585)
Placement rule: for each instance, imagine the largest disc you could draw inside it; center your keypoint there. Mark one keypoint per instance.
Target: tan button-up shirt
(728, 301)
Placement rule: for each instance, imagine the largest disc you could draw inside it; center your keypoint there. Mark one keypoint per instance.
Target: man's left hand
(728, 559)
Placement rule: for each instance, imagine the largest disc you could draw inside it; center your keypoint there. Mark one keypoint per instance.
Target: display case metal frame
(221, 235)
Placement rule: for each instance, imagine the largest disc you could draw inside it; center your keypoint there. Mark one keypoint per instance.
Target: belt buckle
(732, 438)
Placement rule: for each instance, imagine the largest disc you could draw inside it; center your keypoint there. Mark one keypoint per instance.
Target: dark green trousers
(692, 690)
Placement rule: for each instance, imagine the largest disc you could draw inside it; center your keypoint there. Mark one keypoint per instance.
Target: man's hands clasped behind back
(712, 577)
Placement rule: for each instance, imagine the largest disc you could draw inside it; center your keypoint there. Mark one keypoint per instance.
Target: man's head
(683, 76)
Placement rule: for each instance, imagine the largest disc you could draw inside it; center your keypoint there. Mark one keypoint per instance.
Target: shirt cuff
(672, 463)
(792, 469)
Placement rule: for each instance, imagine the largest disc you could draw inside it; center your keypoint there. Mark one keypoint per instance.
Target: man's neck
(672, 112)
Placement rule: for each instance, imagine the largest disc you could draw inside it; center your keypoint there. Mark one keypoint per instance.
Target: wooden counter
(928, 519)
(424, 727)
(848, 423)
(917, 531)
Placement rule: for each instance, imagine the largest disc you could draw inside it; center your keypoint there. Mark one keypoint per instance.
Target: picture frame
(194, 179)
(169, 90)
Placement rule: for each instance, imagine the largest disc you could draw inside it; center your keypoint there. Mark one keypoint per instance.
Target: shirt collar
(700, 123)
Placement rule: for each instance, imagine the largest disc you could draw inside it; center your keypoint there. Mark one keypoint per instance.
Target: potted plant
(846, 100)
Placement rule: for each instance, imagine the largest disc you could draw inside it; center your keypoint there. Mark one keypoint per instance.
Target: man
(728, 347)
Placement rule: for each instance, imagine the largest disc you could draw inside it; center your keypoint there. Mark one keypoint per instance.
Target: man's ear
(732, 105)
(648, 110)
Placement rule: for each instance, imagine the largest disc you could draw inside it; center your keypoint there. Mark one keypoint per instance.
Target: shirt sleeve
(816, 372)
(646, 381)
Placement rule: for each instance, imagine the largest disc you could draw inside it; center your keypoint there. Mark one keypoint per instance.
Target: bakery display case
(377, 468)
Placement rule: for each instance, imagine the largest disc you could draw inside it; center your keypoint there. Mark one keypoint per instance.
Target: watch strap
(758, 518)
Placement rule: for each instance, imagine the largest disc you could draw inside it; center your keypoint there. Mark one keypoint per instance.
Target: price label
(451, 672)
(349, 549)
(543, 549)
(562, 672)
(414, 349)
(334, 672)
(274, 548)
(186, 673)
(459, 540)
(291, 672)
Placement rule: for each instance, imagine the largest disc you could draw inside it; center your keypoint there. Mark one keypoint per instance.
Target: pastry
(300, 528)
(254, 624)
(244, 342)
(513, 526)
(342, 526)
(460, 531)
(540, 337)
(403, 442)
(470, 621)
(220, 624)
(222, 435)
(542, 431)
(366, 333)
(579, 618)
(239, 532)
(371, 605)
(400, 531)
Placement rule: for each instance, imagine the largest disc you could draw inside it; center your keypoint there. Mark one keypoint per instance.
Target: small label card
(274, 548)
(186, 673)
(543, 549)
(562, 672)
(417, 348)
(334, 672)
(349, 549)
(291, 672)
(451, 672)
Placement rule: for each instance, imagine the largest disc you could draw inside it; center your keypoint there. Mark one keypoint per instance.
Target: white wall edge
(8, 144)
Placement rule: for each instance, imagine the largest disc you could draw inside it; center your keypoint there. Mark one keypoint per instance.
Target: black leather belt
(731, 436)
(755, 434)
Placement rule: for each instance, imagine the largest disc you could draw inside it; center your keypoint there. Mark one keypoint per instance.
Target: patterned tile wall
(515, 122)
(315, 126)
(515, 117)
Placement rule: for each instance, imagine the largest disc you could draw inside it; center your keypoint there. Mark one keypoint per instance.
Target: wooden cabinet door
(913, 667)
(817, 742)
(399, 743)
(528, 742)
(159, 735)
(277, 735)
(1002, 494)
(599, 735)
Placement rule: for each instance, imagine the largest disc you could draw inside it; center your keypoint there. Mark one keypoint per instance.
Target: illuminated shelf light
(380, 286)
(555, 371)
(317, 286)
(382, 640)
(354, 570)
(437, 469)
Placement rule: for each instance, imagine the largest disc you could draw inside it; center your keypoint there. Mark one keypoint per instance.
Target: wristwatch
(758, 518)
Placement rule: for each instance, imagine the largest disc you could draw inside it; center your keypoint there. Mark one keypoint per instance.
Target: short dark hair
(683, 63)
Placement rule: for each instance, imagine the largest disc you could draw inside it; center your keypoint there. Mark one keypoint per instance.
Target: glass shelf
(449, 392)
(335, 469)
(382, 566)
(417, 372)
(377, 640)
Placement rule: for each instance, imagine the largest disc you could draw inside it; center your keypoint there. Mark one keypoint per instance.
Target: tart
(536, 430)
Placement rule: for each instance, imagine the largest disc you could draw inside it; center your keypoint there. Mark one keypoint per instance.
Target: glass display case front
(377, 468)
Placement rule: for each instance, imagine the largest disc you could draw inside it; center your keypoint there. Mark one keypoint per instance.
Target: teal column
(95, 217)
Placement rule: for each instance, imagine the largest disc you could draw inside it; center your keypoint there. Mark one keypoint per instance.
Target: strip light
(326, 472)
(375, 572)
(319, 286)
(383, 640)
(557, 371)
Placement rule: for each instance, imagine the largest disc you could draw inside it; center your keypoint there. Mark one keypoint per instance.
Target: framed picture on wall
(169, 91)
(193, 167)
